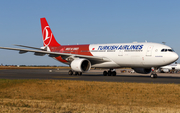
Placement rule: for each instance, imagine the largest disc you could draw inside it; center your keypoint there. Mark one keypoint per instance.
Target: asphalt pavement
(92, 75)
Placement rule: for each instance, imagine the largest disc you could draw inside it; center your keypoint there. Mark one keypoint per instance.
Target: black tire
(76, 73)
(109, 73)
(153, 75)
(80, 73)
(105, 73)
(70, 72)
(114, 73)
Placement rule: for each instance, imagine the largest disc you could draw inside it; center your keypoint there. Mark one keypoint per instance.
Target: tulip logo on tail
(47, 36)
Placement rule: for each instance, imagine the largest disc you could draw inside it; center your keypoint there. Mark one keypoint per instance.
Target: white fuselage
(143, 55)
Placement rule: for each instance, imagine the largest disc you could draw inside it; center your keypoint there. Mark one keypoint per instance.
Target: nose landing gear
(153, 73)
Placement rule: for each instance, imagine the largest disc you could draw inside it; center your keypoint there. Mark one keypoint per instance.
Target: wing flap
(39, 54)
(53, 55)
(21, 52)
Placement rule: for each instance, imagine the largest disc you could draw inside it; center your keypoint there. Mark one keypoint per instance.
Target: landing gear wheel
(109, 73)
(70, 72)
(153, 75)
(114, 73)
(76, 73)
(80, 73)
(105, 73)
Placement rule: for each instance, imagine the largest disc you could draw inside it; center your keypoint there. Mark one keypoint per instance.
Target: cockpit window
(171, 50)
(162, 50)
(165, 50)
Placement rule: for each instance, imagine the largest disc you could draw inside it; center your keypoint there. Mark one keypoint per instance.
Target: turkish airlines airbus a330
(141, 57)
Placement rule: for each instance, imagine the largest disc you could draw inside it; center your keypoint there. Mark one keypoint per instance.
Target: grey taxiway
(92, 75)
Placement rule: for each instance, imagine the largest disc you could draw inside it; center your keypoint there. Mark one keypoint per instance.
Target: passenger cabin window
(165, 50)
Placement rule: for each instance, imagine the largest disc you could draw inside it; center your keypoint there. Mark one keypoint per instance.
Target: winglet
(48, 37)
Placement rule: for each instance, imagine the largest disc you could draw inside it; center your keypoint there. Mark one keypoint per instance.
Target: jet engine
(165, 70)
(81, 65)
(142, 70)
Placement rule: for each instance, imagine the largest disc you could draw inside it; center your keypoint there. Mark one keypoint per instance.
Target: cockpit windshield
(165, 50)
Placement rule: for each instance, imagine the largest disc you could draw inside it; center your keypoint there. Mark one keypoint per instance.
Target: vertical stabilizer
(48, 37)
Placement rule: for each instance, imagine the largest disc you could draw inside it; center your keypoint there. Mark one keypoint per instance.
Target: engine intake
(142, 70)
(81, 65)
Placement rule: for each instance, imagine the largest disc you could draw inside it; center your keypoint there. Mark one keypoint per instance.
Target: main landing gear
(153, 73)
(75, 73)
(111, 72)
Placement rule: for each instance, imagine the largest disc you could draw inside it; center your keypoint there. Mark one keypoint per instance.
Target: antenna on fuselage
(164, 43)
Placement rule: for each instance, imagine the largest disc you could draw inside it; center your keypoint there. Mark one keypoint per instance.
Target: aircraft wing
(94, 59)
(29, 47)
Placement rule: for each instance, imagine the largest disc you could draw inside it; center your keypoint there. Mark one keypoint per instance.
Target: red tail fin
(48, 37)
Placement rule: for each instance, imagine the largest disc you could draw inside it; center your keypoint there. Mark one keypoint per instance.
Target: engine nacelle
(165, 70)
(142, 70)
(81, 65)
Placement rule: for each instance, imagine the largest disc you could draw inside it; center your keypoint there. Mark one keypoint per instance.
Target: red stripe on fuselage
(73, 49)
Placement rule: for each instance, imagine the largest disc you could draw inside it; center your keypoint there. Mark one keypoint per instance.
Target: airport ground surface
(54, 91)
(92, 75)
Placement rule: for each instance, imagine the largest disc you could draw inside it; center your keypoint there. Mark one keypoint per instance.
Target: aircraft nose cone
(177, 57)
(173, 57)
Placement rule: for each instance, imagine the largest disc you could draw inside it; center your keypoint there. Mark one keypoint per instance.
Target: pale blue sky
(86, 21)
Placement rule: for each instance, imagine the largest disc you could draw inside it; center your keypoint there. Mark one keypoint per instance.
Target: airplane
(167, 68)
(141, 57)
